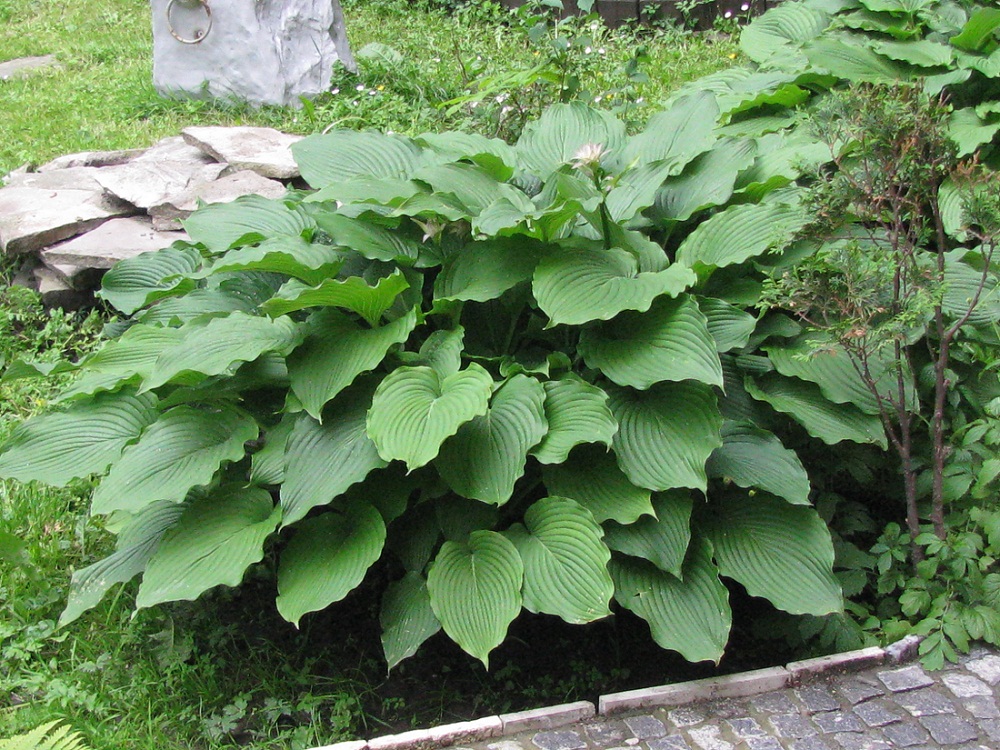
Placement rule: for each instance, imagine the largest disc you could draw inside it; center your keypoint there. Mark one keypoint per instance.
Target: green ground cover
(184, 675)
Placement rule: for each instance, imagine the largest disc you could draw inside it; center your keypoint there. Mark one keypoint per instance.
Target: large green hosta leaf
(475, 590)
(666, 434)
(481, 271)
(488, 453)
(55, 448)
(335, 157)
(662, 540)
(636, 190)
(352, 293)
(415, 410)
(289, 255)
(556, 137)
(472, 186)
(822, 418)
(323, 460)
(676, 135)
(182, 449)
(707, 181)
(327, 558)
(577, 412)
(729, 325)
(962, 282)
(213, 347)
(752, 457)
(248, 219)
(739, 233)
(371, 240)
(778, 551)
(136, 282)
(690, 616)
(213, 543)
(670, 341)
(136, 544)
(831, 367)
(592, 478)
(407, 618)
(268, 463)
(584, 282)
(778, 34)
(565, 561)
(336, 350)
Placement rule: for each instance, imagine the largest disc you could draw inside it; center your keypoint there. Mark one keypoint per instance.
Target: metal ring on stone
(201, 34)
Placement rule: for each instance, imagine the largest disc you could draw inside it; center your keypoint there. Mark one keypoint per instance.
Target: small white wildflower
(354, 103)
(372, 92)
(587, 50)
(594, 25)
(501, 98)
(745, 7)
(727, 14)
(505, 110)
(436, 59)
(601, 51)
(335, 92)
(359, 87)
(640, 100)
(597, 100)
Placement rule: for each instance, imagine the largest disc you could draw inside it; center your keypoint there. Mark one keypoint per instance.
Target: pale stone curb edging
(740, 685)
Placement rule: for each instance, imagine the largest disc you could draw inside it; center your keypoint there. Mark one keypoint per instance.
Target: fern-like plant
(50, 736)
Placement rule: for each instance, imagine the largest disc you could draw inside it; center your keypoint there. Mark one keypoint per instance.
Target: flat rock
(266, 151)
(174, 148)
(92, 159)
(32, 218)
(151, 183)
(111, 242)
(72, 178)
(24, 65)
(228, 188)
(56, 292)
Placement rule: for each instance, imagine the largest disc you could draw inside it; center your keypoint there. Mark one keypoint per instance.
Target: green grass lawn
(226, 672)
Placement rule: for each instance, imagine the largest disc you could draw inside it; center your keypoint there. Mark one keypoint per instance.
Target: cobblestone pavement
(889, 706)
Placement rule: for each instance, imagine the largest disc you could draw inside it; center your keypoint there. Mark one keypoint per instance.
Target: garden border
(739, 685)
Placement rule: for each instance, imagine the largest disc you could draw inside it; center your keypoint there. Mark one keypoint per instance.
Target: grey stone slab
(687, 716)
(811, 743)
(745, 727)
(645, 727)
(72, 178)
(779, 702)
(112, 241)
(559, 740)
(762, 743)
(791, 725)
(982, 707)
(852, 741)
(906, 734)
(949, 729)
(905, 678)
(56, 292)
(708, 737)
(225, 189)
(729, 686)
(266, 151)
(859, 659)
(270, 52)
(878, 713)
(505, 745)
(33, 218)
(903, 650)
(817, 698)
(992, 729)
(174, 148)
(831, 722)
(924, 703)
(986, 668)
(23, 66)
(858, 689)
(724, 709)
(91, 159)
(147, 183)
(673, 742)
(965, 685)
(605, 733)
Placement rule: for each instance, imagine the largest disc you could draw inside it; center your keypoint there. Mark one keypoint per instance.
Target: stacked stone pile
(73, 218)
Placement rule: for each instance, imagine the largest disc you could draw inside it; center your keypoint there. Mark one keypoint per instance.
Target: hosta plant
(505, 376)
